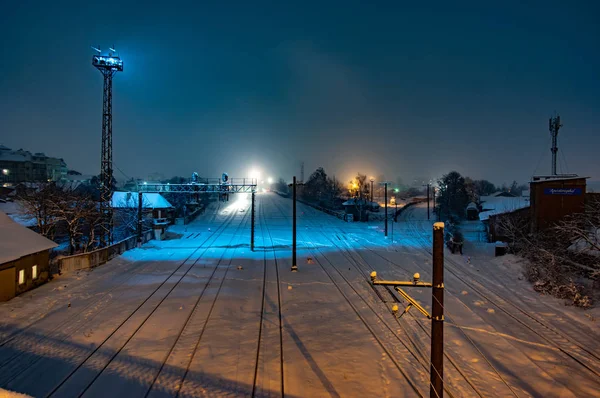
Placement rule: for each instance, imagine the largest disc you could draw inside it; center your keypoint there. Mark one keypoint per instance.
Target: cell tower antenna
(108, 65)
(554, 126)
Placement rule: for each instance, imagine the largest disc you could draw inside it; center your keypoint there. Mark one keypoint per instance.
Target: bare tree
(36, 203)
(563, 260)
(74, 210)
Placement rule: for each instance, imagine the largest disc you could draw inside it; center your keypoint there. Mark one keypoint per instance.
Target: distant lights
(145, 183)
(5, 172)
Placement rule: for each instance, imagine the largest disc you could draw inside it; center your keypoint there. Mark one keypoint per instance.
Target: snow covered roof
(15, 212)
(130, 200)
(17, 241)
(554, 178)
(494, 205)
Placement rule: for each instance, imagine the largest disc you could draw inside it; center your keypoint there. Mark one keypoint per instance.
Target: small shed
(161, 207)
(24, 258)
(472, 212)
(358, 208)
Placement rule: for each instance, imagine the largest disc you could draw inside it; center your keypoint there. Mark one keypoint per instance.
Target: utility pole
(294, 264)
(108, 65)
(428, 189)
(302, 172)
(555, 125)
(385, 186)
(372, 179)
(437, 316)
(139, 216)
(252, 223)
(437, 215)
(437, 312)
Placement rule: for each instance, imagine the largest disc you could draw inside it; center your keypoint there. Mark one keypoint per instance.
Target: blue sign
(562, 191)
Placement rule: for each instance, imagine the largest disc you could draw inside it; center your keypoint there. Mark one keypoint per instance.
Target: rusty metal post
(252, 224)
(139, 219)
(294, 264)
(437, 314)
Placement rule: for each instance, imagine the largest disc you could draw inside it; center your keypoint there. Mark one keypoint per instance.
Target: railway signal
(437, 308)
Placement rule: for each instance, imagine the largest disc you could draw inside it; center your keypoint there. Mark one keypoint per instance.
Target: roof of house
(130, 200)
(555, 178)
(15, 211)
(17, 241)
(493, 205)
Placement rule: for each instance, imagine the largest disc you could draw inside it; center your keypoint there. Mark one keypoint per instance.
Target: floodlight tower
(108, 65)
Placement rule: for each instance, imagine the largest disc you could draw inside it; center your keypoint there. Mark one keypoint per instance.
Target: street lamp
(372, 179)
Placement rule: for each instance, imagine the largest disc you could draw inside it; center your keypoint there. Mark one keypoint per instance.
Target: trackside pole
(386, 216)
(139, 219)
(252, 224)
(294, 264)
(437, 313)
(428, 202)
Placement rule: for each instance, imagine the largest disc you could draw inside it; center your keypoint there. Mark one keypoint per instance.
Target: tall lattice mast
(108, 65)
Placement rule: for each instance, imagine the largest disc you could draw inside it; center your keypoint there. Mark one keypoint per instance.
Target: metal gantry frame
(437, 308)
(107, 65)
(207, 185)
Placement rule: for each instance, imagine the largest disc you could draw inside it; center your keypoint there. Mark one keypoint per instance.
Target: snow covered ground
(200, 314)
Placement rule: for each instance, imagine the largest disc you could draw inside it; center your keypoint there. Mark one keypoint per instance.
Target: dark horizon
(411, 91)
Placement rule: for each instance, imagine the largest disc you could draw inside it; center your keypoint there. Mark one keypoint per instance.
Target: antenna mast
(554, 126)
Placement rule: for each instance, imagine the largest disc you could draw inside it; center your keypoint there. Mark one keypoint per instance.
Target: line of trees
(64, 212)
(454, 193)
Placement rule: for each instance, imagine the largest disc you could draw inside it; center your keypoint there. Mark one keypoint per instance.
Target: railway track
(266, 233)
(147, 316)
(356, 309)
(363, 268)
(576, 351)
(11, 374)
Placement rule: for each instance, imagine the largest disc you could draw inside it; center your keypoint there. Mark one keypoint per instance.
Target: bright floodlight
(254, 174)
(112, 62)
(270, 180)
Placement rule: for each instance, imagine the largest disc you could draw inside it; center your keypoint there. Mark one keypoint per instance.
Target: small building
(358, 208)
(472, 212)
(495, 208)
(24, 258)
(161, 208)
(554, 197)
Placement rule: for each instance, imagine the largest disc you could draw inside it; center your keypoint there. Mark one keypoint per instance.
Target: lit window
(21, 277)
(34, 272)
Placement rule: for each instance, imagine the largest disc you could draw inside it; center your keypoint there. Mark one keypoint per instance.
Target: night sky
(393, 89)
